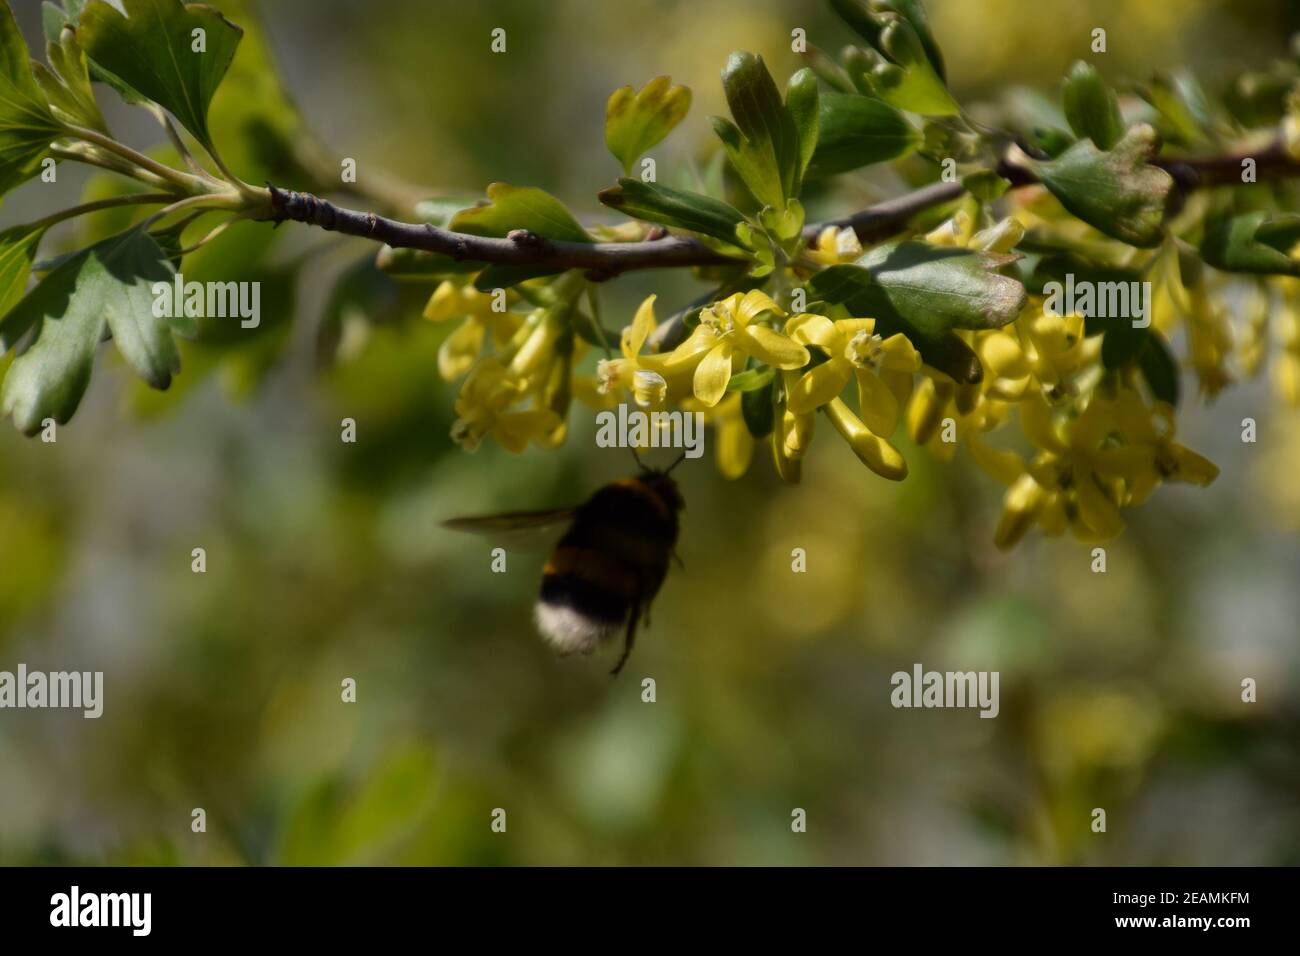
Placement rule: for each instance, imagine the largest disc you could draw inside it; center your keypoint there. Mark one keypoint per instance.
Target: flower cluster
(1082, 442)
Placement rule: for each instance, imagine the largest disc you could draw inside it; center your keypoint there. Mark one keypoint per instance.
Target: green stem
(184, 180)
(209, 201)
(139, 199)
(90, 156)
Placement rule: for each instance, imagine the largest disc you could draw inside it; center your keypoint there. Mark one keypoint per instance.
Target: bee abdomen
(585, 599)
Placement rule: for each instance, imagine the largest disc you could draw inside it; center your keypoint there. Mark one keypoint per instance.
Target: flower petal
(445, 303)
(713, 374)
(643, 323)
(459, 350)
(898, 354)
(1002, 355)
(818, 386)
(1192, 467)
(873, 451)
(755, 302)
(877, 404)
(1036, 421)
(735, 446)
(900, 383)
(1002, 464)
(1096, 509)
(771, 347)
(1022, 504)
(810, 329)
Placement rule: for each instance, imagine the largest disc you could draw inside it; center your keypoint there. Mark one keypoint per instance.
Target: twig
(605, 260)
(601, 260)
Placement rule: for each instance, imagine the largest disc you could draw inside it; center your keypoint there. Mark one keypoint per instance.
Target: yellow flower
(1176, 297)
(835, 246)
(956, 230)
(795, 429)
(790, 441)
(1008, 374)
(938, 398)
(1072, 461)
(1055, 348)
(460, 349)
(872, 450)
(1286, 363)
(484, 407)
(1112, 454)
(883, 368)
(727, 334)
(959, 230)
(1149, 454)
(654, 380)
(733, 444)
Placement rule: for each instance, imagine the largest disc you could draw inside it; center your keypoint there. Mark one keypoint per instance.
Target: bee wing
(535, 531)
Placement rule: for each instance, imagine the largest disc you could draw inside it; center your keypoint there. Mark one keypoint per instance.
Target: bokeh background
(325, 560)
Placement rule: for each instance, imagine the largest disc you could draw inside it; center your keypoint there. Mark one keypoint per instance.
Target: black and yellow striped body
(610, 564)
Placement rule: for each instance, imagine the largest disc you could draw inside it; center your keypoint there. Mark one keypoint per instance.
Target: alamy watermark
(212, 300)
(922, 688)
(635, 428)
(75, 908)
(57, 690)
(1100, 300)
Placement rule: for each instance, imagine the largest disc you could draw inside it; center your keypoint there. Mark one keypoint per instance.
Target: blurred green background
(325, 560)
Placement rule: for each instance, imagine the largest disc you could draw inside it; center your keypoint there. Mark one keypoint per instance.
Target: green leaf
(909, 80)
(1091, 107)
(592, 332)
(757, 406)
(870, 25)
(17, 250)
(941, 288)
(1121, 343)
(827, 70)
(635, 122)
(801, 102)
(1184, 113)
(66, 82)
(762, 144)
(1056, 266)
(419, 265)
(1115, 191)
(914, 12)
(108, 286)
(262, 135)
(859, 18)
(926, 292)
(519, 207)
(751, 379)
(653, 202)
(26, 123)
(151, 51)
(857, 131)
(54, 17)
(504, 276)
(1253, 243)
(1159, 368)
(440, 210)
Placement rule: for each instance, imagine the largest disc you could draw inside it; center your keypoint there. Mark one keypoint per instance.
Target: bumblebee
(608, 565)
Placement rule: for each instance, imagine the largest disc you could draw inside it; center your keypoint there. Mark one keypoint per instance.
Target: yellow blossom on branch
(728, 333)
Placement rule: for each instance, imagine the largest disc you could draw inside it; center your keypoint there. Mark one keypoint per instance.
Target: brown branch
(600, 260)
(604, 260)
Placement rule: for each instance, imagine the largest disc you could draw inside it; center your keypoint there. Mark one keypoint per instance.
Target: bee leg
(628, 640)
